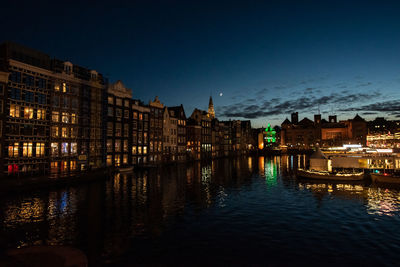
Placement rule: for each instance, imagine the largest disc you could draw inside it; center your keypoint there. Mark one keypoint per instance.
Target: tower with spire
(211, 111)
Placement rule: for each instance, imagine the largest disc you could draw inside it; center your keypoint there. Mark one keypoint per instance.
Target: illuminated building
(170, 137)
(307, 133)
(178, 113)
(202, 119)
(156, 130)
(51, 105)
(211, 111)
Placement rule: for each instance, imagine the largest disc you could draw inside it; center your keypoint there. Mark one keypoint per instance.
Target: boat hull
(317, 176)
(381, 178)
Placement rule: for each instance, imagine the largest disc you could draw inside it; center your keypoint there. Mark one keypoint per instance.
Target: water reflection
(127, 213)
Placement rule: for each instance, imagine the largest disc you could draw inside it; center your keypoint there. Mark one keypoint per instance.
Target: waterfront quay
(244, 210)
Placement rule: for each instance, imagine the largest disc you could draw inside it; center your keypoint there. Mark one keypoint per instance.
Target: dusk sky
(267, 59)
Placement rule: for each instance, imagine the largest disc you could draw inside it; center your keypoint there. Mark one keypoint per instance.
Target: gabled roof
(306, 121)
(287, 121)
(358, 118)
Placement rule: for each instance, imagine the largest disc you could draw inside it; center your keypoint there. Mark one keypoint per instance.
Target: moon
(220, 94)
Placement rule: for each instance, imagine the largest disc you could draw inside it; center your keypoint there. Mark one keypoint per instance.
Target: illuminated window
(109, 160)
(74, 132)
(145, 150)
(134, 150)
(54, 149)
(13, 150)
(117, 145)
(64, 148)
(39, 149)
(54, 131)
(139, 150)
(125, 145)
(55, 116)
(117, 159)
(57, 87)
(15, 111)
(54, 166)
(110, 100)
(64, 132)
(41, 114)
(140, 116)
(73, 118)
(72, 165)
(118, 102)
(135, 115)
(109, 145)
(125, 159)
(118, 129)
(74, 148)
(27, 150)
(64, 87)
(65, 117)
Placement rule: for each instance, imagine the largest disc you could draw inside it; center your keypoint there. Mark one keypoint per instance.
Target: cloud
(391, 106)
(249, 110)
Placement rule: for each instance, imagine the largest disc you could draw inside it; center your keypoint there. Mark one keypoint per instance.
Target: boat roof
(318, 154)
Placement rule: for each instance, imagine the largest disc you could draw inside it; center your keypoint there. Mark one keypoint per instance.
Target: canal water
(244, 211)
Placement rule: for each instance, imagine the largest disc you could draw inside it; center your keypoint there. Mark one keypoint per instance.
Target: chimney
(317, 118)
(332, 118)
(295, 117)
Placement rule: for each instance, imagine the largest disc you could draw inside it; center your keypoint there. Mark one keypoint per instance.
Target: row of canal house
(58, 117)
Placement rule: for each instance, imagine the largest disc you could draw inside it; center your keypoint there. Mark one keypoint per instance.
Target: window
(55, 116)
(41, 83)
(118, 113)
(134, 150)
(126, 131)
(57, 87)
(29, 97)
(135, 115)
(117, 145)
(74, 148)
(145, 150)
(73, 118)
(118, 129)
(15, 93)
(110, 100)
(109, 145)
(117, 160)
(118, 101)
(64, 87)
(54, 131)
(109, 128)
(134, 137)
(64, 132)
(29, 80)
(27, 150)
(13, 150)
(14, 111)
(74, 103)
(110, 111)
(140, 116)
(74, 132)
(15, 77)
(65, 101)
(125, 145)
(41, 99)
(134, 124)
(126, 114)
(109, 160)
(28, 113)
(125, 159)
(145, 138)
(41, 114)
(54, 149)
(139, 150)
(127, 103)
(39, 149)
(65, 117)
(55, 100)
(64, 148)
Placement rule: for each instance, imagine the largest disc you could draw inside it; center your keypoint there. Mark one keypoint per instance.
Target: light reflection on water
(250, 205)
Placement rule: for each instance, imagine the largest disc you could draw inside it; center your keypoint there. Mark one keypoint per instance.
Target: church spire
(211, 111)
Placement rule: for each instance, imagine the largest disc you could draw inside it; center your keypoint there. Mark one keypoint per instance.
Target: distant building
(156, 130)
(170, 137)
(307, 133)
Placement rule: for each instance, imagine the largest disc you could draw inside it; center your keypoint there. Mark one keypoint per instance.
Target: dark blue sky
(267, 58)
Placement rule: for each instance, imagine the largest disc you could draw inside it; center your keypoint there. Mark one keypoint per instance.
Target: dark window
(15, 93)
(41, 99)
(29, 97)
(15, 77)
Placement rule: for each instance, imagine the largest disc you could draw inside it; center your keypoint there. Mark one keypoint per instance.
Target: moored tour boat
(325, 175)
(385, 178)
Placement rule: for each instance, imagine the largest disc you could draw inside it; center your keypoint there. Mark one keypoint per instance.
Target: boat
(385, 178)
(326, 175)
(126, 169)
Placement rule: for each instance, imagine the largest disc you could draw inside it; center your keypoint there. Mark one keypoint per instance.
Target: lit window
(64, 87)
(28, 113)
(14, 111)
(54, 149)
(109, 145)
(64, 132)
(41, 114)
(139, 150)
(65, 117)
(55, 116)
(125, 145)
(110, 100)
(27, 150)
(109, 160)
(73, 118)
(145, 150)
(72, 165)
(64, 148)
(134, 150)
(13, 150)
(56, 87)
(74, 148)
(39, 149)
(117, 145)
